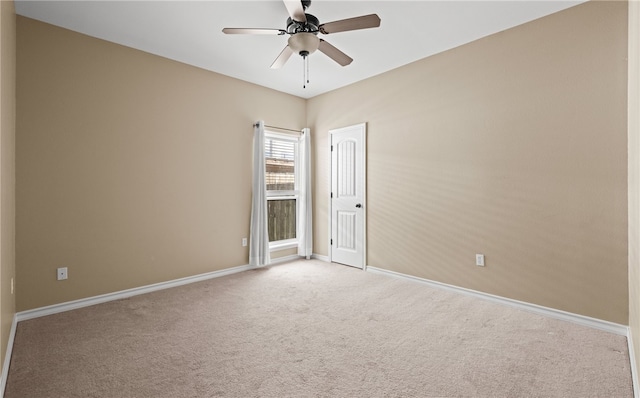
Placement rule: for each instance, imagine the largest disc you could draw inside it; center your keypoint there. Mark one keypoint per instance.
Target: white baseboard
(72, 305)
(285, 259)
(538, 309)
(293, 257)
(7, 356)
(321, 257)
(634, 368)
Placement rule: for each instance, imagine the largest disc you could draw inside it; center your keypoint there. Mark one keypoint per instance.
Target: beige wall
(513, 146)
(634, 177)
(7, 169)
(132, 169)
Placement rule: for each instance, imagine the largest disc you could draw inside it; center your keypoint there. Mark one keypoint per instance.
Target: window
(282, 180)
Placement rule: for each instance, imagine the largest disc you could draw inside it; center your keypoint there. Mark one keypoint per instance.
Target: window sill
(283, 245)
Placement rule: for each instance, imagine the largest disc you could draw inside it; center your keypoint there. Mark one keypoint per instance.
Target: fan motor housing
(311, 25)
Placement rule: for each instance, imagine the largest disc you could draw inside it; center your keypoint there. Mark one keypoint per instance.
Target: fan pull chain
(305, 71)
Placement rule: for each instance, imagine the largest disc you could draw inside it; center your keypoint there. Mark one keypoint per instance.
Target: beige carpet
(311, 329)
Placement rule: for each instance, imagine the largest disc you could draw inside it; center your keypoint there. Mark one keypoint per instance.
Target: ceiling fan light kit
(304, 43)
(303, 30)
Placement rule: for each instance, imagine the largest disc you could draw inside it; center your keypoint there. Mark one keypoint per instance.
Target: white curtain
(259, 238)
(305, 209)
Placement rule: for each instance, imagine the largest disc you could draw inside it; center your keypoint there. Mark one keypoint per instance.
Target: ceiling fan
(303, 29)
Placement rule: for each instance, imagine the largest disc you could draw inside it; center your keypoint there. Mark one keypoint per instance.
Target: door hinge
(331, 195)
(331, 148)
(331, 242)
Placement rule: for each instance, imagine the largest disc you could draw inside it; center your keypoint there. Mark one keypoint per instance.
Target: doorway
(348, 211)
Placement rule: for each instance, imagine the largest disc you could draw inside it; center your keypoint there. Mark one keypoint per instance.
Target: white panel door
(348, 211)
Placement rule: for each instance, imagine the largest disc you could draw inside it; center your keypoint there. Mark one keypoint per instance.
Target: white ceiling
(190, 32)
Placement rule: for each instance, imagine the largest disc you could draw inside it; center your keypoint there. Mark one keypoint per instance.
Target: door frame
(362, 126)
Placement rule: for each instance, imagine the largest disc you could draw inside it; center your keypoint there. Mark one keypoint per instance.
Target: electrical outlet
(480, 260)
(244, 242)
(62, 273)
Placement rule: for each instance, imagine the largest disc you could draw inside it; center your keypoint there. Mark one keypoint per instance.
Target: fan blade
(363, 22)
(335, 54)
(295, 9)
(250, 31)
(282, 58)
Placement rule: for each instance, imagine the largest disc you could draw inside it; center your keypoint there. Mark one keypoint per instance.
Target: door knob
(359, 205)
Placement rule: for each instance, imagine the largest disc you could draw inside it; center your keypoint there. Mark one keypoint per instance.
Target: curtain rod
(280, 128)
